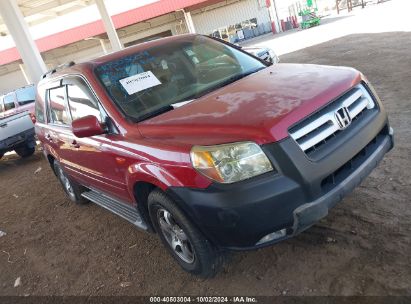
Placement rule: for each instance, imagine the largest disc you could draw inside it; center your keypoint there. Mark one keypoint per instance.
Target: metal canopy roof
(45, 9)
(39, 11)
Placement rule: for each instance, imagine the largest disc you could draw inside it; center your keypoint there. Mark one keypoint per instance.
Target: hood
(260, 107)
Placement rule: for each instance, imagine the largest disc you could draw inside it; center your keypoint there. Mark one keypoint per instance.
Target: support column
(19, 30)
(272, 10)
(189, 22)
(21, 66)
(109, 26)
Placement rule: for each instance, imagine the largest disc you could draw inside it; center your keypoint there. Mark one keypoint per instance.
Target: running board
(121, 209)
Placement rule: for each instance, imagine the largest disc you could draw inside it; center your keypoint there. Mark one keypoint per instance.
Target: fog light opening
(273, 236)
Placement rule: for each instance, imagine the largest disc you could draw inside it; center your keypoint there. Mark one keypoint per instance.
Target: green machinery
(308, 14)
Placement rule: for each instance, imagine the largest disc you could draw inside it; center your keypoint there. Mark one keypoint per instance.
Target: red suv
(207, 145)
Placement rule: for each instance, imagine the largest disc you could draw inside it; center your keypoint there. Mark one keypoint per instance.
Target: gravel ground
(362, 248)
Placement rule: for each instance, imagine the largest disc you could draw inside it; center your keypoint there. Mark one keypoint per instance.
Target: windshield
(148, 83)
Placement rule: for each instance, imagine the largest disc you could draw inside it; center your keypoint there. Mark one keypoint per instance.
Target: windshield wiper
(164, 109)
(156, 112)
(181, 103)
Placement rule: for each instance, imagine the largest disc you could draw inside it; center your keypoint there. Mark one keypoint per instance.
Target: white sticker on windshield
(139, 82)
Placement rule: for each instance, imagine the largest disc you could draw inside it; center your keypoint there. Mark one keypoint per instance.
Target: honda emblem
(342, 115)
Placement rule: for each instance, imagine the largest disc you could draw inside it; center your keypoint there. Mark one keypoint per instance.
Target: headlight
(230, 163)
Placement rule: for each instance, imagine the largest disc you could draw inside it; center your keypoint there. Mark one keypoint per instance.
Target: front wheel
(72, 189)
(193, 252)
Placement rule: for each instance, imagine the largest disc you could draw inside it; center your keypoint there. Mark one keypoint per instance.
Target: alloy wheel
(175, 236)
(66, 183)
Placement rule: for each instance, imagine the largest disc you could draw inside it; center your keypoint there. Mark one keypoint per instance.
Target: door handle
(75, 144)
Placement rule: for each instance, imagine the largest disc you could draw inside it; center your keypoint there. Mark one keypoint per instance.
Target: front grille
(313, 133)
(349, 167)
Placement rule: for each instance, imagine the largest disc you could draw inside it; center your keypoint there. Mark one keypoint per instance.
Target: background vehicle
(18, 101)
(264, 53)
(17, 133)
(17, 121)
(208, 146)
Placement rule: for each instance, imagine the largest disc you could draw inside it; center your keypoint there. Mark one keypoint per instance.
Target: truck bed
(13, 125)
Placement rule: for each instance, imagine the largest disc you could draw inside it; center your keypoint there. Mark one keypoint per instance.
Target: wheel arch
(141, 191)
(51, 159)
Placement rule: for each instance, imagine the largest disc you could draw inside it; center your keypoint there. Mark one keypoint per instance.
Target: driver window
(81, 100)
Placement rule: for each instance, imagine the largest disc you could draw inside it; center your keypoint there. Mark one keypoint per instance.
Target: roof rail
(58, 68)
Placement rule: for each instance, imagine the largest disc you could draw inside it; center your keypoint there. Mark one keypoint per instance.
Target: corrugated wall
(210, 18)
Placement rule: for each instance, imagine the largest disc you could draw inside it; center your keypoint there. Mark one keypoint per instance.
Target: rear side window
(25, 95)
(9, 102)
(57, 106)
(81, 100)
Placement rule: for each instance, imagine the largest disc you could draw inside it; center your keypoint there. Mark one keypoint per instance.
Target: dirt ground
(362, 248)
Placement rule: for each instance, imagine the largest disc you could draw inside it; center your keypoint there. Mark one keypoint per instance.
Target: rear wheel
(72, 189)
(193, 252)
(25, 151)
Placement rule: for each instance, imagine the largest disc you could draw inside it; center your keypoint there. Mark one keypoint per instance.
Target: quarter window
(58, 111)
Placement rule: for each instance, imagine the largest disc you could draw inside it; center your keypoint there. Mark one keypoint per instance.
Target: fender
(150, 173)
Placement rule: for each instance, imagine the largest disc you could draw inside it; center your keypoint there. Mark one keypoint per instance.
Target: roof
(139, 14)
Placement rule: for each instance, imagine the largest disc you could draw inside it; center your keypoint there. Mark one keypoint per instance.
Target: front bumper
(308, 214)
(239, 215)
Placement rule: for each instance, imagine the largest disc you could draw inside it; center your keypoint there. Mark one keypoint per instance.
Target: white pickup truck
(17, 133)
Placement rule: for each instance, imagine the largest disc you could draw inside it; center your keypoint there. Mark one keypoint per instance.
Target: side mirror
(87, 126)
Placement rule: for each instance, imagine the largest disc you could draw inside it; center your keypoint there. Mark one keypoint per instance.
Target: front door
(91, 159)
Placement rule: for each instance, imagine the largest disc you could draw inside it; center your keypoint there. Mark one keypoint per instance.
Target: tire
(1, 155)
(72, 189)
(25, 151)
(193, 252)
